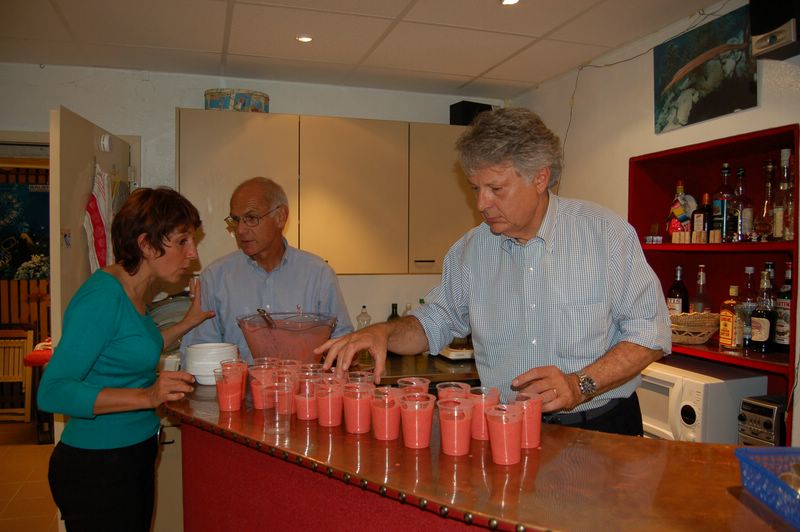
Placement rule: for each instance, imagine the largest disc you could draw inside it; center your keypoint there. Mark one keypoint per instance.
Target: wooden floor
(25, 501)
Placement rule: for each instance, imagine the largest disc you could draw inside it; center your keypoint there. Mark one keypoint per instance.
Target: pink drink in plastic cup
(455, 422)
(277, 419)
(288, 376)
(260, 376)
(357, 410)
(305, 401)
(229, 388)
(505, 433)
(482, 397)
(242, 365)
(531, 419)
(329, 402)
(416, 416)
(385, 413)
(446, 390)
(413, 384)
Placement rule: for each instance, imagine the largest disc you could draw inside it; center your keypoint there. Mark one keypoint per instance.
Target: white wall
(613, 121)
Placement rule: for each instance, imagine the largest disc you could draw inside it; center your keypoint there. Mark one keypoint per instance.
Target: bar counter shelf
(235, 477)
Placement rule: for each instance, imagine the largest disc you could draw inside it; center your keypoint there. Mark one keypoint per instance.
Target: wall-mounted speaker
(773, 27)
(462, 113)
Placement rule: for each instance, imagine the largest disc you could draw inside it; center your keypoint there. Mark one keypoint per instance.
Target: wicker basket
(694, 328)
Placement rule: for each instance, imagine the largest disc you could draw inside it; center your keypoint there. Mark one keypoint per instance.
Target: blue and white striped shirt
(564, 298)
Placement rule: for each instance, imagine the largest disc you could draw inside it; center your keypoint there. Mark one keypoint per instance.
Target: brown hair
(155, 213)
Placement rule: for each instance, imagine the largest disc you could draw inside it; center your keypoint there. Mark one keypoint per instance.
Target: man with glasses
(265, 272)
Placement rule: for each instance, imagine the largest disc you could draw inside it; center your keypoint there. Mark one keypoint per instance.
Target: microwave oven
(687, 399)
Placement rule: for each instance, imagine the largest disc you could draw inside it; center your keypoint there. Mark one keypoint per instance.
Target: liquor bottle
(700, 302)
(783, 313)
(747, 304)
(406, 310)
(769, 267)
(730, 322)
(787, 176)
(762, 321)
(682, 206)
(766, 216)
(779, 205)
(394, 315)
(702, 217)
(723, 207)
(363, 319)
(678, 295)
(743, 207)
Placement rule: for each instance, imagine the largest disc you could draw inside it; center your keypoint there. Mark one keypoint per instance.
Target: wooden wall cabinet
(651, 188)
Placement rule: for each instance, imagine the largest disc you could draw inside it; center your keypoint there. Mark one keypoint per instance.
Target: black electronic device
(761, 420)
(462, 113)
(773, 28)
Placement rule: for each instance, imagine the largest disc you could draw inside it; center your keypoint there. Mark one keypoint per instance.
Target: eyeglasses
(250, 220)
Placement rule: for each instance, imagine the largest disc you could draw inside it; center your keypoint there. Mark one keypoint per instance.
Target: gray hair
(514, 135)
(272, 191)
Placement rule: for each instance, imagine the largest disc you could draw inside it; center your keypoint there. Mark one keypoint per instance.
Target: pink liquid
(416, 427)
(306, 406)
(329, 410)
(293, 337)
(456, 432)
(505, 440)
(229, 395)
(479, 429)
(284, 403)
(532, 424)
(357, 414)
(385, 420)
(259, 378)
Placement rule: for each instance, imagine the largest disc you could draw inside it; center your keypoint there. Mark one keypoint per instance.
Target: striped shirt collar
(546, 231)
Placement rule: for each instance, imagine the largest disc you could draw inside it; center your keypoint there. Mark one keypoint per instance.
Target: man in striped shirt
(556, 293)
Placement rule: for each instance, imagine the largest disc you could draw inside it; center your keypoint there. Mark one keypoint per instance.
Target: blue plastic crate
(760, 467)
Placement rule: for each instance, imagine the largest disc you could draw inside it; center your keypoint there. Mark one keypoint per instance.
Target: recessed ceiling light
(509, 2)
(303, 37)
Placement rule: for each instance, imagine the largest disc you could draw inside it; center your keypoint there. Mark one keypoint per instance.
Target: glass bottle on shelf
(783, 312)
(678, 219)
(766, 217)
(700, 302)
(723, 207)
(747, 304)
(363, 319)
(406, 310)
(779, 207)
(743, 208)
(762, 321)
(787, 177)
(730, 322)
(393, 315)
(678, 295)
(769, 267)
(702, 219)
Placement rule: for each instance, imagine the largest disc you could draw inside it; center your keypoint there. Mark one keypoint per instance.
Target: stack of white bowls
(201, 359)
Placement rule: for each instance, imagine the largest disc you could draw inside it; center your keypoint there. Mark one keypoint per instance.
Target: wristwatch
(586, 384)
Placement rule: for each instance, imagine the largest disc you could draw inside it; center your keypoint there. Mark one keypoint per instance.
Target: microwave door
(659, 399)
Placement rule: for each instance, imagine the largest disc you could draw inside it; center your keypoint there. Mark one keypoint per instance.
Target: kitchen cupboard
(651, 188)
(354, 193)
(217, 150)
(369, 196)
(441, 203)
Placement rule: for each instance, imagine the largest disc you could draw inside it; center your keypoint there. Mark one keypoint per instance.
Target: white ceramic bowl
(204, 380)
(201, 359)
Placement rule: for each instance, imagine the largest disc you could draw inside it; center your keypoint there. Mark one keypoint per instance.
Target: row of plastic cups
(230, 379)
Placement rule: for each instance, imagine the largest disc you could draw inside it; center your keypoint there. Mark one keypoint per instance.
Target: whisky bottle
(678, 295)
(702, 217)
(747, 304)
(762, 321)
(730, 322)
(783, 313)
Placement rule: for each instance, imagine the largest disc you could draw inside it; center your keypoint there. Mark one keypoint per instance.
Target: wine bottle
(747, 304)
(730, 323)
(700, 302)
(787, 178)
(766, 215)
(702, 218)
(394, 315)
(678, 295)
(762, 321)
(743, 207)
(783, 313)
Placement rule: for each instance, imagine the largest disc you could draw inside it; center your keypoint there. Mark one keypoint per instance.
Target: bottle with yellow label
(731, 326)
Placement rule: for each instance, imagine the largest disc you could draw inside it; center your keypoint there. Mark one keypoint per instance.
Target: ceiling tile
(270, 32)
(494, 88)
(183, 24)
(404, 80)
(31, 19)
(378, 8)
(544, 60)
(529, 17)
(285, 70)
(422, 47)
(40, 52)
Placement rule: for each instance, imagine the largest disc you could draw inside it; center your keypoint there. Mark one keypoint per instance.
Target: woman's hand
(170, 386)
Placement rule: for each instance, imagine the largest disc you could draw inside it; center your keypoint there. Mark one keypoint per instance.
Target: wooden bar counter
(314, 478)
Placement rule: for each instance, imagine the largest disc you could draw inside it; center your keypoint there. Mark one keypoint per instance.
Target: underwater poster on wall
(24, 231)
(705, 73)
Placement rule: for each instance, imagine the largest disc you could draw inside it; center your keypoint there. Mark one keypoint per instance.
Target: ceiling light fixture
(304, 37)
(509, 2)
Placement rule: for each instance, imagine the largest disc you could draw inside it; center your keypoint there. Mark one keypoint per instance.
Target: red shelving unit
(651, 187)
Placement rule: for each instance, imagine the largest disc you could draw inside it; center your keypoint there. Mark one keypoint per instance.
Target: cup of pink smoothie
(416, 417)
(305, 400)
(505, 433)
(455, 424)
(277, 419)
(385, 413)
(531, 419)
(292, 335)
(413, 384)
(329, 402)
(229, 388)
(356, 400)
(482, 397)
(446, 390)
(260, 376)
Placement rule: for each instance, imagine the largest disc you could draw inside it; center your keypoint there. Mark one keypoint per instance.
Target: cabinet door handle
(427, 261)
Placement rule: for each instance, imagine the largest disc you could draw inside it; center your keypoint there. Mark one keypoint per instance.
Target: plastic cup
(290, 363)
(229, 388)
(482, 397)
(356, 400)
(385, 413)
(505, 433)
(277, 419)
(329, 402)
(242, 365)
(360, 376)
(288, 376)
(531, 419)
(455, 422)
(268, 361)
(416, 416)
(414, 384)
(260, 376)
(305, 400)
(311, 366)
(446, 390)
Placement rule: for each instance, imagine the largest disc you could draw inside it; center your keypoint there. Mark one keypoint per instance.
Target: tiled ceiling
(469, 47)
